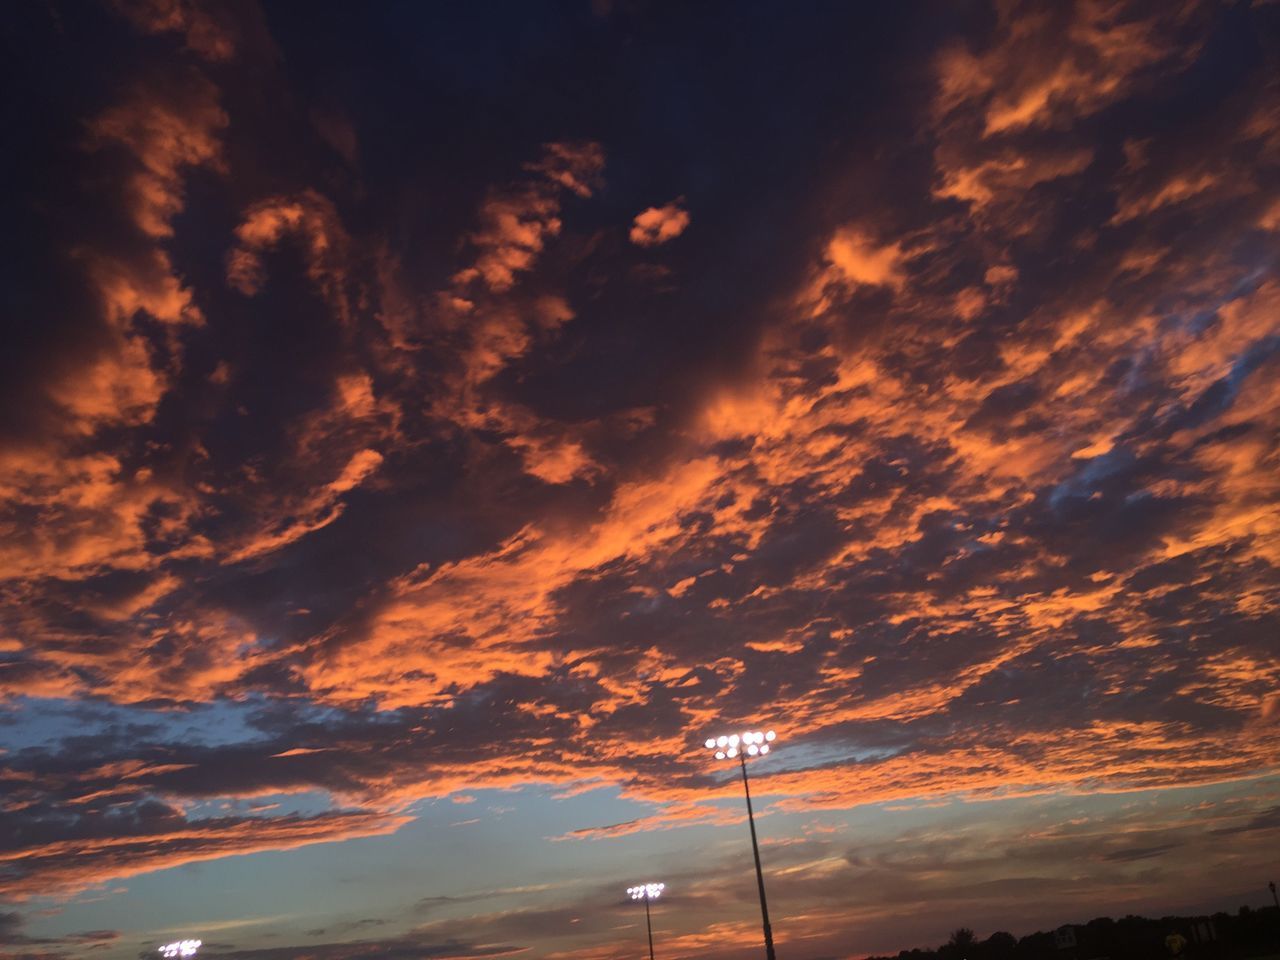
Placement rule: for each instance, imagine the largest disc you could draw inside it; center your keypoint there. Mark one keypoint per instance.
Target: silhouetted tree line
(1221, 936)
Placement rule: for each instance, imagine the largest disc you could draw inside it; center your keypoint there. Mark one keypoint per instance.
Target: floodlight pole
(755, 848)
(648, 923)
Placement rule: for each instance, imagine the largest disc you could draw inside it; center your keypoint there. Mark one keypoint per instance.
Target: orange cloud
(329, 455)
(93, 511)
(517, 224)
(657, 225)
(204, 34)
(1010, 173)
(313, 219)
(577, 167)
(165, 128)
(860, 261)
(971, 458)
(1051, 67)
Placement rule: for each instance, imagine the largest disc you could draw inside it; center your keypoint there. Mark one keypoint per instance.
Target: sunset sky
(423, 424)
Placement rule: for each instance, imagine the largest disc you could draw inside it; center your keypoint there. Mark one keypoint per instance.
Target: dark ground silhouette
(1246, 934)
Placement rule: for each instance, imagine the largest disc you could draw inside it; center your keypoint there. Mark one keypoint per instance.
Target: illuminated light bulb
(722, 742)
(731, 753)
(711, 743)
(733, 740)
(765, 748)
(180, 948)
(719, 754)
(770, 736)
(753, 749)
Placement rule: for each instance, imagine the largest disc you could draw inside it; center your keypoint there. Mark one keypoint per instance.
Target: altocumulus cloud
(351, 480)
(657, 225)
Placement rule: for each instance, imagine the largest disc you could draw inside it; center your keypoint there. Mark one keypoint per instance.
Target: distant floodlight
(733, 740)
(753, 749)
(731, 753)
(765, 748)
(722, 741)
(770, 736)
(719, 754)
(180, 948)
(650, 891)
(711, 743)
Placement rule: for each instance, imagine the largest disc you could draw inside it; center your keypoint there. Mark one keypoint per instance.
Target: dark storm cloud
(938, 413)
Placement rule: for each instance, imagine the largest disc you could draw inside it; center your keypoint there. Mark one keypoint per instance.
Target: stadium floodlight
(735, 746)
(647, 892)
(180, 948)
(650, 890)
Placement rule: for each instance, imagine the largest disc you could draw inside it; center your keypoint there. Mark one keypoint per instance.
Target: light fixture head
(180, 948)
(751, 743)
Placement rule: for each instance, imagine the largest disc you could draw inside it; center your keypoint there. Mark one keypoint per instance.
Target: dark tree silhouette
(999, 945)
(961, 944)
(1253, 932)
(963, 938)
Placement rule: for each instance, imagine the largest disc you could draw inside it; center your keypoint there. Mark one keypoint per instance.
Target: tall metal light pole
(647, 892)
(755, 744)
